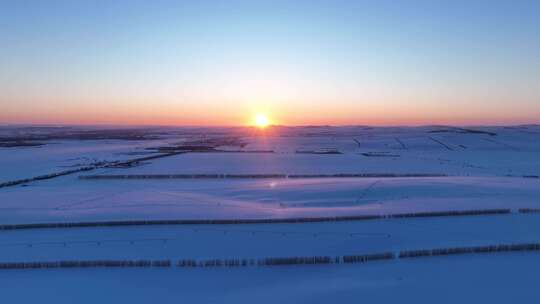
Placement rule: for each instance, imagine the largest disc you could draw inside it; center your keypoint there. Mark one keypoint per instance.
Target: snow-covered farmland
(306, 173)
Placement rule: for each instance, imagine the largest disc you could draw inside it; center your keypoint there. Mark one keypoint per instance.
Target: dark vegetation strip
(529, 210)
(64, 133)
(18, 143)
(86, 264)
(469, 250)
(277, 261)
(328, 152)
(280, 261)
(190, 149)
(463, 131)
(441, 143)
(349, 259)
(403, 146)
(46, 176)
(502, 144)
(450, 213)
(126, 163)
(258, 176)
(252, 221)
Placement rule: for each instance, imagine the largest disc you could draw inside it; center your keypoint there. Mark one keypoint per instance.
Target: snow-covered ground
(266, 240)
(70, 199)
(480, 168)
(18, 163)
(505, 278)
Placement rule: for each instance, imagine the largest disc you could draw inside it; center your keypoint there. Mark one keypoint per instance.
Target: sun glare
(261, 121)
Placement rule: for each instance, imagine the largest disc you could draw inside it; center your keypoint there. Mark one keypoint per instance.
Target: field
(213, 215)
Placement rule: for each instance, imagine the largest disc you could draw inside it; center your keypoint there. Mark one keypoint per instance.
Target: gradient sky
(300, 62)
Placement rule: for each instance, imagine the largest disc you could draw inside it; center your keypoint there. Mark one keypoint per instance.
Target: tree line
(276, 261)
(257, 221)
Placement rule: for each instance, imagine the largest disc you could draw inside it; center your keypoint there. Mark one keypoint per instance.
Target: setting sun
(261, 121)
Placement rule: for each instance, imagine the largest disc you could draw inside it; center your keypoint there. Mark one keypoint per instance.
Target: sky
(298, 62)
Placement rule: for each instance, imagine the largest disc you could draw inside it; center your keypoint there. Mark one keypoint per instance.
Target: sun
(261, 121)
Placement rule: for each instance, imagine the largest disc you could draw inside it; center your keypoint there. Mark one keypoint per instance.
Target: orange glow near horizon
(261, 113)
(300, 63)
(292, 118)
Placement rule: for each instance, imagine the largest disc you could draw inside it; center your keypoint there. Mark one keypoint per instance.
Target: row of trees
(182, 176)
(450, 213)
(276, 261)
(217, 176)
(46, 176)
(368, 257)
(86, 264)
(529, 210)
(86, 168)
(256, 221)
(297, 261)
(216, 263)
(259, 262)
(414, 253)
(469, 250)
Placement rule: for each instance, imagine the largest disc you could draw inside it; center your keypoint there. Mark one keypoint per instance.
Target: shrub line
(468, 250)
(86, 264)
(529, 210)
(252, 221)
(257, 176)
(275, 261)
(104, 164)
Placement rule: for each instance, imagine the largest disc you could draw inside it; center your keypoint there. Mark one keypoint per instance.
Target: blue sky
(300, 62)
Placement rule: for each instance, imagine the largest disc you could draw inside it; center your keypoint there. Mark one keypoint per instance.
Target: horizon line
(269, 126)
